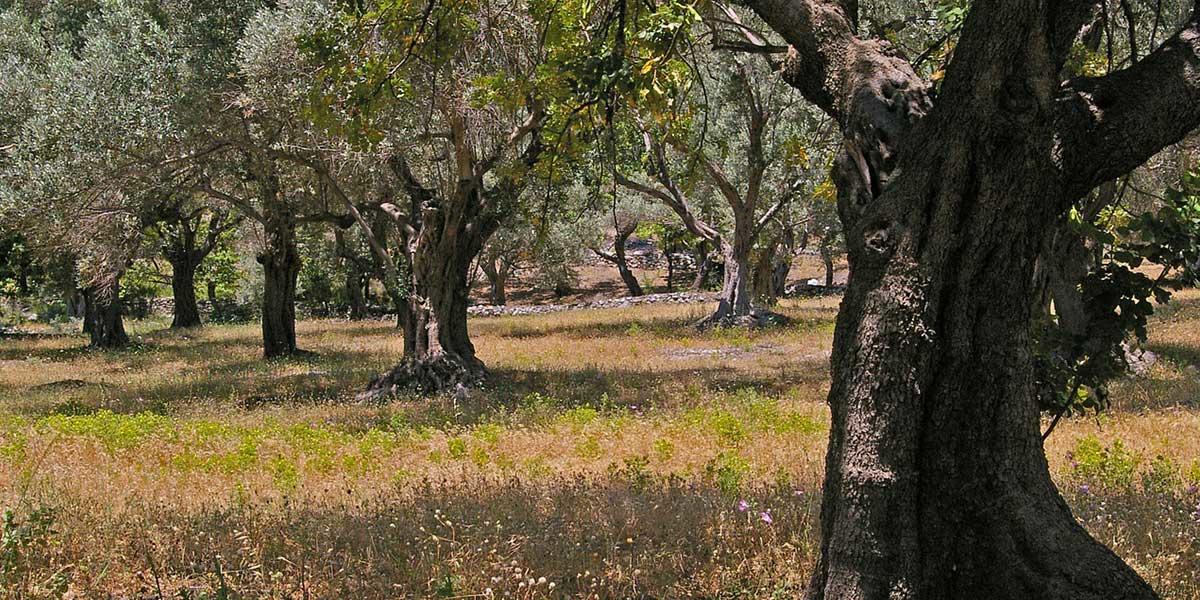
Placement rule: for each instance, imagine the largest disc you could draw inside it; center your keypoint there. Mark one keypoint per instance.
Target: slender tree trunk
(102, 317)
(779, 275)
(622, 262)
(497, 276)
(211, 291)
(183, 290)
(354, 292)
(827, 259)
(280, 258)
(354, 277)
(670, 270)
(703, 265)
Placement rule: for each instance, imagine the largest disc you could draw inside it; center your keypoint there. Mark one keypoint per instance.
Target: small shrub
(588, 448)
(284, 474)
(728, 471)
(1162, 477)
(664, 450)
(19, 539)
(1113, 466)
(456, 447)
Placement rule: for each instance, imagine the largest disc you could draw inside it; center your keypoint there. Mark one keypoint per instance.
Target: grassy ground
(616, 454)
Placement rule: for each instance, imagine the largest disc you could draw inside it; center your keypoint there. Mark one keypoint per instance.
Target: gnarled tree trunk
(937, 484)
(280, 259)
(624, 229)
(103, 320)
(183, 291)
(497, 275)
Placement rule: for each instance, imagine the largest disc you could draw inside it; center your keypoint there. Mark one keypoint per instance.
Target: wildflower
(766, 518)
(1085, 489)
(798, 493)
(743, 506)
(1192, 489)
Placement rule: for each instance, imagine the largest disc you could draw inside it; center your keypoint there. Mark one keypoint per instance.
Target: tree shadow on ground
(662, 328)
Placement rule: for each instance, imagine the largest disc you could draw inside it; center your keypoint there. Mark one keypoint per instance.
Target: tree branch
(1112, 124)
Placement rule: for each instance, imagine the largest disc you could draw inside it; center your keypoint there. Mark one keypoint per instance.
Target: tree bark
(622, 261)
(103, 320)
(183, 290)
(937, 484)
(734, 301)
(827, 260)
(703, 264)
(619, 258)
(497, 276)
(280, 259)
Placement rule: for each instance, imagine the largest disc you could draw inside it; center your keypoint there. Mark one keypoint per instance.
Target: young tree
(740, 145)
(623, 216)
(936, 480)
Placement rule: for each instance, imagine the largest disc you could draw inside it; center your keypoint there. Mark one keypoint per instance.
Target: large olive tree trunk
(103, 321)
(280, 259)
(734, 301)
(186, 312)
(454, 235)
(937, 484)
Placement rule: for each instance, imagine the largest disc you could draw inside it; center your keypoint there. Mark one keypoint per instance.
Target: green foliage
(1161, 477)
(114, 431)
(1073, 370)
(222, 267)
(1169, 237)
(728, 471)
(1111, 466)
(19, 539)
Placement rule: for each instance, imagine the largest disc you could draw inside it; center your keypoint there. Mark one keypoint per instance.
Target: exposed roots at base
(757, 319)
(425, 377)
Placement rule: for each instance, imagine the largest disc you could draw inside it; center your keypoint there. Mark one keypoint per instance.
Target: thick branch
(1112, 124)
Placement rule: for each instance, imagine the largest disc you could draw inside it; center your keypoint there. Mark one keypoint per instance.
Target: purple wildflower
(766, 518)
(1085, 489)
(743, 506)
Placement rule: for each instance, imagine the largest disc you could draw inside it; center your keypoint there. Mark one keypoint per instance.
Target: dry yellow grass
(608, 455)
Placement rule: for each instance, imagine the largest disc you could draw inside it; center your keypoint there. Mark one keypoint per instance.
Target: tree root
(424, 377)
(757, 319)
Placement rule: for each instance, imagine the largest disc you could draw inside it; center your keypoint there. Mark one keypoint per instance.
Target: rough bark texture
(936, 481)
(624, 229)
(188, 238)
(183, 290)
(442, 236)
(280, 259)
(497, 276)
(103, 320)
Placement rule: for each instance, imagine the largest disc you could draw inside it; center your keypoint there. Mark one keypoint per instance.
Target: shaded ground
(609, 454)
